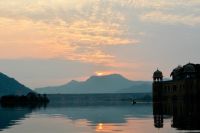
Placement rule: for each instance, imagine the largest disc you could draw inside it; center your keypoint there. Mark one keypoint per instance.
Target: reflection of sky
(55, 41)
(102, 114)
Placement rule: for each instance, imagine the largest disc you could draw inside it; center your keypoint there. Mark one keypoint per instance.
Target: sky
(50, 42)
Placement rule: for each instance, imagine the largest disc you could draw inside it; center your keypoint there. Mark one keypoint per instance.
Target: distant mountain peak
(116, 76)
(73, 82)
(110, 75)
(95, 77)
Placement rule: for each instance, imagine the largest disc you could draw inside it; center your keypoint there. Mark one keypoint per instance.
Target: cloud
(29, 41)
(165, 11)
(168, 12)
(159, 4)
(153, 4)
(81, 30)
(79, 40)
(61, 29)
(172, 19)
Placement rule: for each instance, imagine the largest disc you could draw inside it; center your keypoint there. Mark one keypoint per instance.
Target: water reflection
(11, 115)
(106, 117)
(103, 127)
(185, 115)
(167, 117)
(96, 114)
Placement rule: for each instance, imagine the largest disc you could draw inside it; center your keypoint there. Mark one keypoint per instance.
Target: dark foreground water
(108, 118)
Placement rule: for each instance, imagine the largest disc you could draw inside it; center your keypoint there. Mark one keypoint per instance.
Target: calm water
(127, 118)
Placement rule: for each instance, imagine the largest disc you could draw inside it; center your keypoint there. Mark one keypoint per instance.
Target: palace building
(177, 98)
(185, 84)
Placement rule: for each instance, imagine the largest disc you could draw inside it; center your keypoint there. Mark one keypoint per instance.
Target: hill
(9, 86)
(113, 83)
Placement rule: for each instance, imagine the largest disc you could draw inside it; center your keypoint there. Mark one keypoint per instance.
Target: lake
(101, 113)
(99, 118)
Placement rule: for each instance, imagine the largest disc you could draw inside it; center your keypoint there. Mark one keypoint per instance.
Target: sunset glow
(99, 73)
(101, 127)
(102, 73)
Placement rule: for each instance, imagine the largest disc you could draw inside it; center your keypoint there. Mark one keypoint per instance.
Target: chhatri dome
(157, 75)
(189, 68)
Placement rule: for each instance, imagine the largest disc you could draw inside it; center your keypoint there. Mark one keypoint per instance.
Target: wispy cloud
(159, 4)
(153, 4)
(171, 12)
(61, 29)
(166, 11)
(167, 18)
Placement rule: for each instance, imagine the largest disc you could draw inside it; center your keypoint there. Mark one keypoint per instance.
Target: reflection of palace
(185, 115)
(178, 97)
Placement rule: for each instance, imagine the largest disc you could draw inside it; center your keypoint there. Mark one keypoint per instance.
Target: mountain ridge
(113, 83)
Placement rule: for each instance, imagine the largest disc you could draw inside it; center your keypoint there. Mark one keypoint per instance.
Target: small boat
(133, 102)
